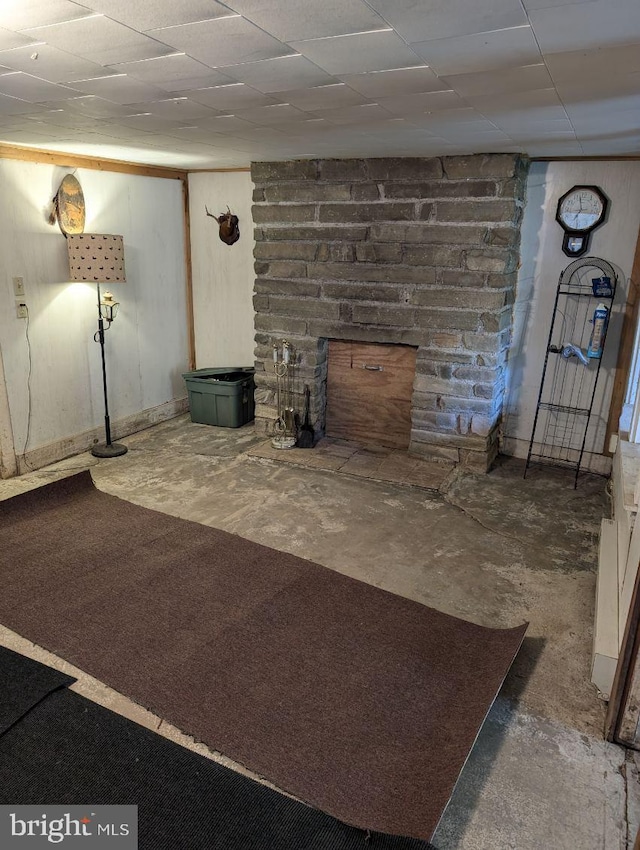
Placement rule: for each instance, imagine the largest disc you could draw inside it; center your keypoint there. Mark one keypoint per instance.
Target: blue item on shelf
(602, 287)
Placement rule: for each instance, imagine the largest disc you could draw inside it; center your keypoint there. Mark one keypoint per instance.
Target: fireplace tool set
(285, 431)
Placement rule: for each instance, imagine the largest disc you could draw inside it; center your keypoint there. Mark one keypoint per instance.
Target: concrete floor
(495, 549)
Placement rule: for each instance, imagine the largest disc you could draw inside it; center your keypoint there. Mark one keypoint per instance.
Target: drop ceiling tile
(603, 110)
(586, 25)
(185, 137)
(231, 97)
(419, 21)
(263, 134)
(65, 118)
(459, 115)
(32, 89)
(545, 4)
(11, 106)
(557, 147)
(310, 128)
(211, 80)
(9, 40)
(467, 54)
(177, 108)
(50, 64)
(24, 137)
(89, 104)
(291, 20)
(222, 41)
(273, 114)
(156, 139)
(595, 123)
(415, 104)
(90, 138)
(20, 14)
(599, 63)
(21, 122)
(597, 91)
(519, 102)
(528, 134)
(471, 137)
(119, 131)
(176, 68)
(523, 124)
(398, 81)
(148, 122)
(606, 146)
(498, 82)
(366, 114)
(437, 124)
(224, 125)
(276, 75)
(120, 89)
(150, 14)
(332, 96)
(354, 54)
(100, 39)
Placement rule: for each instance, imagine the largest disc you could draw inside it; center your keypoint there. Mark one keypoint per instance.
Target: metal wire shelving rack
(568, 386)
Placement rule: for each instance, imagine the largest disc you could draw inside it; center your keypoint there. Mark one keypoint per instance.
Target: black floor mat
(62, 749)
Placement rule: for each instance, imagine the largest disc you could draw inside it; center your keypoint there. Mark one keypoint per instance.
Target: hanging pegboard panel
(96, 257)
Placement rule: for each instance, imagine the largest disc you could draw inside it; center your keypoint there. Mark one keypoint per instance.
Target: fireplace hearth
(399, 252)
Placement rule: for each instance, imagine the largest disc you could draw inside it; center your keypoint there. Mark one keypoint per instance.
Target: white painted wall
(542, 263)
(223, 275)
(147, 348)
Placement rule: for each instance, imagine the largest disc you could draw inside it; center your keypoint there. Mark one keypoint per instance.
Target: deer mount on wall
(229, 226)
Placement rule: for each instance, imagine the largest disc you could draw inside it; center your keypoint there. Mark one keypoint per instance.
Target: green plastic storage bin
(221, 397)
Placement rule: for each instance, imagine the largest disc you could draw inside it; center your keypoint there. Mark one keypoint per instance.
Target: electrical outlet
(21, 310)
(18, 286)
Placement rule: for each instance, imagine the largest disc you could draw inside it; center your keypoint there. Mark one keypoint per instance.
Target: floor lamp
(99, 258)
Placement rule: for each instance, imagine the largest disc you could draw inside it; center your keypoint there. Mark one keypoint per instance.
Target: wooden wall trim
(191, 330)
(625, 351)
(628, 158)
(218, 170)
(623, 679)
(71, 160)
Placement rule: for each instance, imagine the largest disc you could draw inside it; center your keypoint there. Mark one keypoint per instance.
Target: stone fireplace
(413, 252)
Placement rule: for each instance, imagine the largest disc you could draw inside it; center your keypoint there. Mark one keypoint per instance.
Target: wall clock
(580, 210)
(69, 206)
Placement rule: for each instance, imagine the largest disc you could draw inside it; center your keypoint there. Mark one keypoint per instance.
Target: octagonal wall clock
(69, 206)
(579, 212)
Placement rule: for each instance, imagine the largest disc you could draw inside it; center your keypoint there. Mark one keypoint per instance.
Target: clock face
(581, 209)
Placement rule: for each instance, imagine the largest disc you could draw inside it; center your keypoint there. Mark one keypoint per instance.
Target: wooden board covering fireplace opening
(369, 389)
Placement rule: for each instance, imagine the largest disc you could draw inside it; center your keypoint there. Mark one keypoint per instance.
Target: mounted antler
(229, 225)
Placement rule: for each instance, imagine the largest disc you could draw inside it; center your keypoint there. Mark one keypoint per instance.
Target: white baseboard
(606, 640)
(69, 446)
(516, 447)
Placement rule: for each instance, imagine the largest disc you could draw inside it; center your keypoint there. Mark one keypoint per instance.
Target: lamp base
(109, 450)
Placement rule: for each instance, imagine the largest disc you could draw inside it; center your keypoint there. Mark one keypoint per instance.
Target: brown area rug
(359, 702)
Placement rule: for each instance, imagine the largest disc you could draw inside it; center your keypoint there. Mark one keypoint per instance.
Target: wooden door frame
(625, 351)
(623, 683)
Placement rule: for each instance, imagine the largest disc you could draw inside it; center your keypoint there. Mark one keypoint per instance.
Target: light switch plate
(18, 286)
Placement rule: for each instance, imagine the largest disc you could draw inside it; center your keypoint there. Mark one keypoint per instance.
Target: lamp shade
(96, 257)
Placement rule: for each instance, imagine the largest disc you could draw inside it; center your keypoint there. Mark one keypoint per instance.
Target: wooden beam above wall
(219, 170)
(72, 160)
